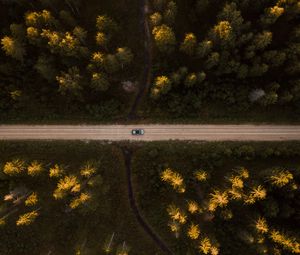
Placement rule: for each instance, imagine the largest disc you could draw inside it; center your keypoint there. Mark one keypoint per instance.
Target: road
(152, 132)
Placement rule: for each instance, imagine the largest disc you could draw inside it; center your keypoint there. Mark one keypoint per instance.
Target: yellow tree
(261, 225)
(174, 179)
(176, 214)
(35, 168)
(27, 218)
(31, 200)
(201, 175)
(76, 202)
(13, 48)
(193, 207)
(67, 184)
(56, 171)
(164, 38)
(256, 193)
(88, 170)
(281, 178)
(193, 231)
(14, 167)
(218, 199)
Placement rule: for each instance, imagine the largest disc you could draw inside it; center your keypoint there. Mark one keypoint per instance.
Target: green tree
(99, 82)
(111, 63)
(106, 25)
(204, 48)
(70, 82)
(262, 40)
(190, 80)
(212, 60)
(170, 13)
(44, 66)
(124, 56)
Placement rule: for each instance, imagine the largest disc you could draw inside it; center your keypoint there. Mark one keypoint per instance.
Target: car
(137, 131)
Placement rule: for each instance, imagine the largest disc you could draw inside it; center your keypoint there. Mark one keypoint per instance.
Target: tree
(193, 207)
(161, 86)
(222, 31)
(39, 19)
(33, 35)
(218, 199)
(193, 231)
(124, 56)
(174, 179)
(201, 175)
(88, 170)
(100, 82)
(12, 47)
(102, 39)
(35, 168)
(14, 167)
(261, 225)
(31, 200)
(27, 218)
(67, 184)
(70, 82)
(188, 46)
(164, 38)
(190, 80)
(271, 15)
(212, 60)
(106, 25)
(76, 202)
(204, 48)
(176, 214)
(262, 40)
(111, 64)
(44, 66)
(80, 34)
(280, 178)
(256, 193)
(170, 13)
(155, 19)
(56, 171)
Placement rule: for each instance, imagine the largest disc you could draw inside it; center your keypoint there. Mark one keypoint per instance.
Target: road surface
(152, 132)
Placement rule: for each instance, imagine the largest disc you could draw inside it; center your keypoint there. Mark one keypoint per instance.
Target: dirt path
(146, 77)
(152, 132)
(127, 156)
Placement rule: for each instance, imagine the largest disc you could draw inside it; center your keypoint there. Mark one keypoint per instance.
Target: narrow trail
(146, 76)
(127, 157)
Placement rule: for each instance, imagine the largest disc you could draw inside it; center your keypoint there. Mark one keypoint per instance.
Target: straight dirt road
(152, 132)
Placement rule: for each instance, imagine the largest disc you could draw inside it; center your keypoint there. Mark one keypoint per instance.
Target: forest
(221, 198)
(67, 60)
(225, 59)
(66, 198)
(208, 61)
